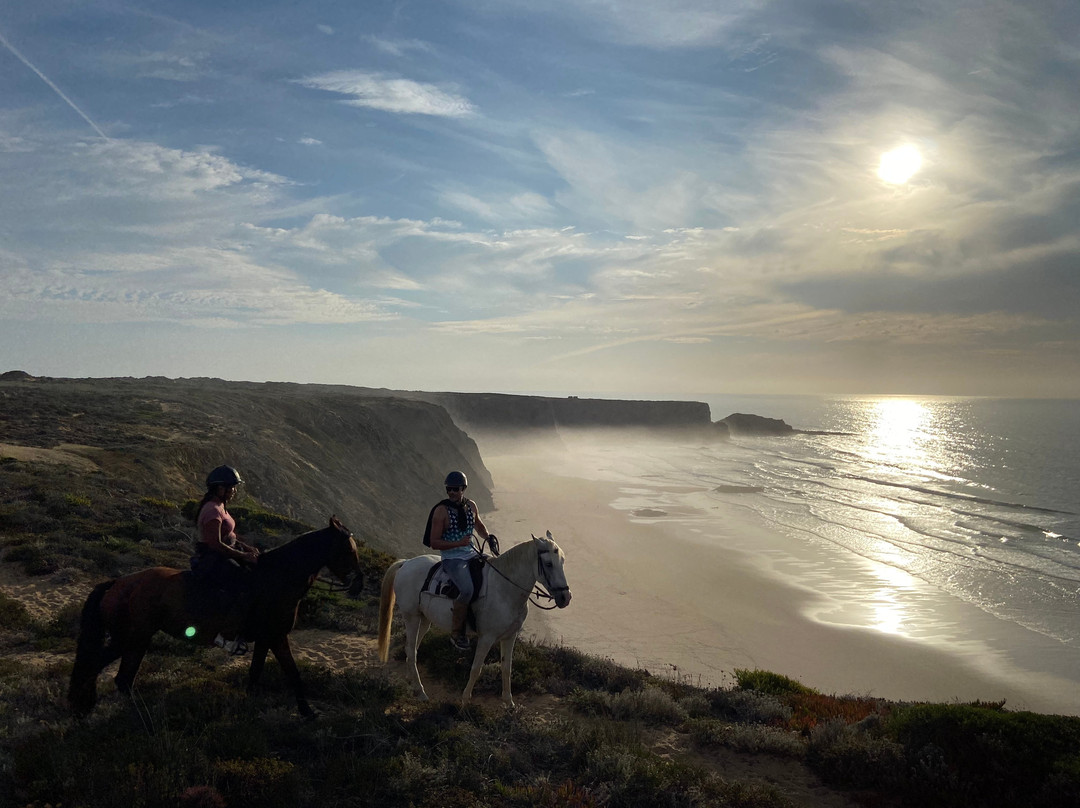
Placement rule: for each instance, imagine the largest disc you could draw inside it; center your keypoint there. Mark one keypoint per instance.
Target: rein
(332, 584)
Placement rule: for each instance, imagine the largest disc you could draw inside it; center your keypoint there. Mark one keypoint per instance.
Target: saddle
(214, 586)
(438, 583)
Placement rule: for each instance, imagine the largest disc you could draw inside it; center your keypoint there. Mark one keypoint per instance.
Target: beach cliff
(374, 457)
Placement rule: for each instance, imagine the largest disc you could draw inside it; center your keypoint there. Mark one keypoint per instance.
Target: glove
(493, 544)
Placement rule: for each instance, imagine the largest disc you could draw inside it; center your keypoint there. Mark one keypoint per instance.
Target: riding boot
(459, 614)
(232, 637)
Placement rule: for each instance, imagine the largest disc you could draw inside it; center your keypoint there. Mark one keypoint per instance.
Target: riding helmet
(456, 478)
(223, 475)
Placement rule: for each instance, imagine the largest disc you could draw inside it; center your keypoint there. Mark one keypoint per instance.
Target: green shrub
(649, 705)
(577, 668)
(258, 783)
(13, 614)
(159, 504)
(851, 758)
(772, 684)
(978, 753)
(748, 707)
(742, 738)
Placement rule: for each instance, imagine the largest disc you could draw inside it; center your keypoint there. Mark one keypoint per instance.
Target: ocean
(977, 497)
(889, 509)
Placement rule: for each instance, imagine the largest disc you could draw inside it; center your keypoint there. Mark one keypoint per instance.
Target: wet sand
(649, 592)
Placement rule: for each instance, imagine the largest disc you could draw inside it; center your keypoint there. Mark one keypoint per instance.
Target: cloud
(629, 183)
(402, 96)
(398, 47)
(166, 66)
(192, 285)
(513, 207)
(659, 25)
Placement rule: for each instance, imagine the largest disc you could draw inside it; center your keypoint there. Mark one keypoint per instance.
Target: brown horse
(131, 609)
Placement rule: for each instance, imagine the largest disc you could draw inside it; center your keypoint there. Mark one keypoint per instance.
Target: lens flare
(189, 632)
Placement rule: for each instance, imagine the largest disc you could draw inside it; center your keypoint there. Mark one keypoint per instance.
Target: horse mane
(306, 544)
(299, 546)
(524, 554)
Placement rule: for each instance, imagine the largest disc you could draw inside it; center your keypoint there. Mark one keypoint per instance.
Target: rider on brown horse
(222, 561)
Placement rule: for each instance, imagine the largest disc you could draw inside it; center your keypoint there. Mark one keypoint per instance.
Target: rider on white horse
(452, 525)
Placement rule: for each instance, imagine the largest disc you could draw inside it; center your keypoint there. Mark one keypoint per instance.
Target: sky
(596, 197)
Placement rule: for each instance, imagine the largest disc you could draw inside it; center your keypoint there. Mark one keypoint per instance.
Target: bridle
(335, 585)
(536, 592)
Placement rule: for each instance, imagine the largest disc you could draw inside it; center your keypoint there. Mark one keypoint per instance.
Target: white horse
(500, 612)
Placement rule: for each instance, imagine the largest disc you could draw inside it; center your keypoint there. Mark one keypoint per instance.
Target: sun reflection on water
(890, 612)
(899, 432)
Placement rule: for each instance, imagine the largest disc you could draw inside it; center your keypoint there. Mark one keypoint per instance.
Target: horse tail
(386, 609)
(82, 693)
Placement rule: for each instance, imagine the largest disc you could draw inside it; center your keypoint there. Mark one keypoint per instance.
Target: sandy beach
(652, 592)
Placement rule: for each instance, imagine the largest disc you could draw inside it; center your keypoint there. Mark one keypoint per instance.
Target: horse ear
(535, 537)
(550, 537)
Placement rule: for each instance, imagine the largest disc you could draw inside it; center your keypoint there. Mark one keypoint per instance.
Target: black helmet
(223, 475)
(456, 478)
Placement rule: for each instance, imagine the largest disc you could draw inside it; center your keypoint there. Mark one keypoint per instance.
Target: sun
(899, 165)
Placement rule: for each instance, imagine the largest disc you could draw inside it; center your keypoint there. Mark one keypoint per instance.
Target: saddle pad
(438, 583)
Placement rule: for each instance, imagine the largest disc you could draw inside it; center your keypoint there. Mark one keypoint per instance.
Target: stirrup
(235, 647)
(460, 642)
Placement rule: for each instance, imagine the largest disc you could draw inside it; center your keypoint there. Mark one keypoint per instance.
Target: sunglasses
(450, 489)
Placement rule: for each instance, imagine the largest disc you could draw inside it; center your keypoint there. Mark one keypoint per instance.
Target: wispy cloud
(398, 95)
(399, 47)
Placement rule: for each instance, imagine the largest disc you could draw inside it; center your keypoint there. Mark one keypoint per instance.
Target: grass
(194, 735)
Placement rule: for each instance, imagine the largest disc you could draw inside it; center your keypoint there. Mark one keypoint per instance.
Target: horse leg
(258, 662)
(483, 645)
(506, 651)
(283, 654)
(91, 654)
(130, 660)
(416, 626)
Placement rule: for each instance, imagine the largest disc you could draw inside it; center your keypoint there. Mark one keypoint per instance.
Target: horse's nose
(356, 585)
(563, 599)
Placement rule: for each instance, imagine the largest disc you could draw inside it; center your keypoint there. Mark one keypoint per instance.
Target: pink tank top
(215, 510)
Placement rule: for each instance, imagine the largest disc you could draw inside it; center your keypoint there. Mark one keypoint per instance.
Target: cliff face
(376, 458)
(493, 411)
(304, 451)
(480, 412)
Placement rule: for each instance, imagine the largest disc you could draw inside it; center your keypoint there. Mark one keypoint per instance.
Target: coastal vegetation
(97, 484)
(589, 733)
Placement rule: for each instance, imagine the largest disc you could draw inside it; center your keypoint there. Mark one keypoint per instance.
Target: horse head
(550, 561)
(344, 559)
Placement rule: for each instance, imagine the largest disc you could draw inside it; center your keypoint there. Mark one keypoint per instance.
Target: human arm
(478, 523)
(210, 532)
(487, 535)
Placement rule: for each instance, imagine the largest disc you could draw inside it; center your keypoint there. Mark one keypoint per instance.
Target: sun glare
(899, 165)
